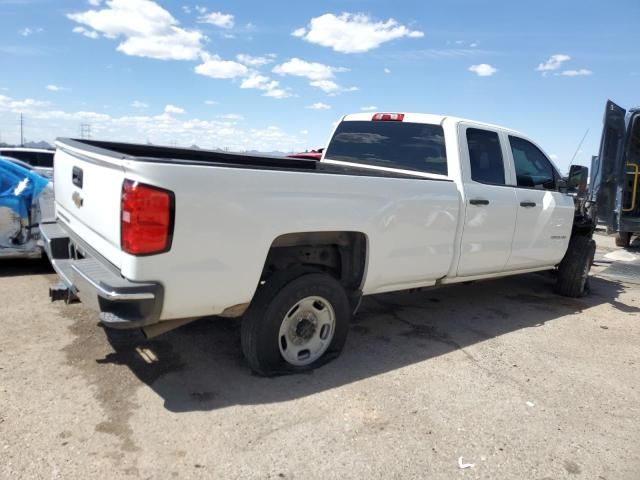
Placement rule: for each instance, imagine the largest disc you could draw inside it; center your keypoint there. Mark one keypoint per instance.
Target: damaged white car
(26, 198)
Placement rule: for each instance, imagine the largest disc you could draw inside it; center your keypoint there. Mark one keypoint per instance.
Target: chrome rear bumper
(121, 303)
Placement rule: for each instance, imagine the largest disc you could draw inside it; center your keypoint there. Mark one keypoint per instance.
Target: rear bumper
(121, 303)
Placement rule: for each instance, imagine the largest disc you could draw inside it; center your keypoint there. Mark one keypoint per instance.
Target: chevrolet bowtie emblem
(77, 199)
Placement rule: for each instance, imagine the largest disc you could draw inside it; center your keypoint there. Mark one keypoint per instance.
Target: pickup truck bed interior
(192, 156)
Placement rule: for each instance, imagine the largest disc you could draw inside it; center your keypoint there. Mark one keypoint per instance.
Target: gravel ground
(515, 380)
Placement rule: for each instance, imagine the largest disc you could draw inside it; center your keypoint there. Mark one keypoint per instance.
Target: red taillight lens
(388, 117)
(146, 221)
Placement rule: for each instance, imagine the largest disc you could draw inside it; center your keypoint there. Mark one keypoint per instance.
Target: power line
(21, 130)
(85, 131)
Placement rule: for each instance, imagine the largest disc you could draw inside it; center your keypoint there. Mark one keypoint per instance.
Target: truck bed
(195, 156)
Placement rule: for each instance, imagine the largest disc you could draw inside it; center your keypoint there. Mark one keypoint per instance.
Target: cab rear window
(402, 145)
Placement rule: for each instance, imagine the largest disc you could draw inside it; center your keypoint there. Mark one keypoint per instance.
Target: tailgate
(88, 189)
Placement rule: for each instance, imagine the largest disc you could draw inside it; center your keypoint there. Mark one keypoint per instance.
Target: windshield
(408, 146)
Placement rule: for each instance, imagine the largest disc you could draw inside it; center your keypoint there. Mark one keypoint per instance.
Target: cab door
(490, 202)
(544, 216)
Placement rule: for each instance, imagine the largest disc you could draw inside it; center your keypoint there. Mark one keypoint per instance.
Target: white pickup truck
(153, 237)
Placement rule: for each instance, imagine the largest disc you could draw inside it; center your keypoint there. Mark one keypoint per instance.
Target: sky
(278, 75)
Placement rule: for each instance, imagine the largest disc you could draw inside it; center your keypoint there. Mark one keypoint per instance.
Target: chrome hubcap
(306, 331)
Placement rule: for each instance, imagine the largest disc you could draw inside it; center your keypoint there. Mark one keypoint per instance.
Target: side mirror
(577, 180)
(578, 177)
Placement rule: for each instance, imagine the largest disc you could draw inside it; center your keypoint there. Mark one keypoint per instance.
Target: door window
(485, 155)
(533, 168)
(44, 159)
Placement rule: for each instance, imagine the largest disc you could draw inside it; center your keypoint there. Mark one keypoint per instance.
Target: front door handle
(479, 201)
(527, 204)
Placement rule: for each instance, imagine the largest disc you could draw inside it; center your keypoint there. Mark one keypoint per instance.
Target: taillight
(146, 218)
(388, 117)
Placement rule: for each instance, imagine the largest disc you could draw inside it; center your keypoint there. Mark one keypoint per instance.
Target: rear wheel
(295, 323)
(623, 239)
(573, 271)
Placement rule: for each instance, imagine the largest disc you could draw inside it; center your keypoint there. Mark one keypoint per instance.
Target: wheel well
(342, 254)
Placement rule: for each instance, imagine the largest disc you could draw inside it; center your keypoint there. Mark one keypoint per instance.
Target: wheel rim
(306, 331)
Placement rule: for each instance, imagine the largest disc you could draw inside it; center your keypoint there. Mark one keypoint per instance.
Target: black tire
(623, 239)
(573, 271)
(261, 323)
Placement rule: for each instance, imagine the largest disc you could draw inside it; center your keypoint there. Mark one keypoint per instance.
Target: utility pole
(85, 131)
(21, 130)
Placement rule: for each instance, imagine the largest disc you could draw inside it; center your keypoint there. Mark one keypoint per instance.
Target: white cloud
(556, 62)
(320, 75)
(210, 102)
(219, 19)
(145, 29)
(483, 70)
(56, 88)
(161, 128)
(261, 82)
(27, 31)
(370, 108)
(310, 70)
(271, 88)
(299, 32)
(139, 104)
(353, 33)
(252, 61)
(213, 66)
(278, 93)
(553, 63)
(330, 87)
(86, 32)
(304, 132)
(173, 109)
(327, 86)
(17, 106)
(387, 70)
(473, 45)
(232, 116)
(576, 73)
(94, 3)
(319, 106)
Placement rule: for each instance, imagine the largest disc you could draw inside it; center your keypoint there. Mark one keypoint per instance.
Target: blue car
(25, 198)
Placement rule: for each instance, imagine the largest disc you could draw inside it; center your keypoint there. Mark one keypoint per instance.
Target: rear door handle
(527, 204)
(76, 176)
(479, 201)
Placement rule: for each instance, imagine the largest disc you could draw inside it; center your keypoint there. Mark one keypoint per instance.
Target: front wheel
(295, 323)
(573, 271)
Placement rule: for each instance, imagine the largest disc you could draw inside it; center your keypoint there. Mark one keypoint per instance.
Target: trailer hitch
(62, 292)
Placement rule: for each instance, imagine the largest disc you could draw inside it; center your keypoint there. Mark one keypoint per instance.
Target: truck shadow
(200, 366)
(18, 267)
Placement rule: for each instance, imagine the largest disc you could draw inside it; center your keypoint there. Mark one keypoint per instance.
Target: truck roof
(27, 149)
(429, 118)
